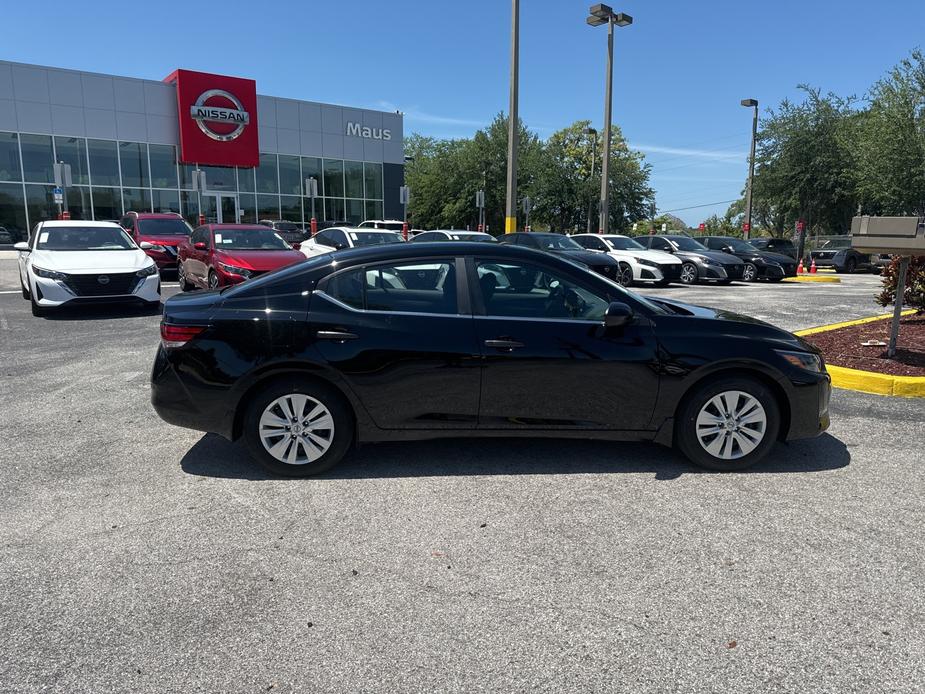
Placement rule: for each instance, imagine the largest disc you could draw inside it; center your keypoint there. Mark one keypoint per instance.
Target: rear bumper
(176, 405)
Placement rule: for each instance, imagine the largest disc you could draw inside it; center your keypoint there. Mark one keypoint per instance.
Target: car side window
(659, 244)
(523, 290)
(323, 238)
(410, 287)
(593, 243)
(339, 238)
(525, 240)
(712, 244)
(201, 235)
(429, 236)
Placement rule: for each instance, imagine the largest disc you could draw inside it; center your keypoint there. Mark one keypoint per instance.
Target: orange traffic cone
(800, 267)
(812, 268)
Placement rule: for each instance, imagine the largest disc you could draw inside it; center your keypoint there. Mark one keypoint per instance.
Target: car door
(548, 360)
(197, 267)
(409, 355)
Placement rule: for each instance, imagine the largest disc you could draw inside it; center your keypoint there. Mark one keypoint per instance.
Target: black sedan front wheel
(729, 424)
(750, 273)
(689, 273)
(298, 428)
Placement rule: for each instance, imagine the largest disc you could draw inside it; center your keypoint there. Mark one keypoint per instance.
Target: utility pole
(593, 133)
(510, 209)
(747, 229)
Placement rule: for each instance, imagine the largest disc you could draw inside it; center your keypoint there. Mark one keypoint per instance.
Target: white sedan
(656, 267)
(337, 238)
(79, 262)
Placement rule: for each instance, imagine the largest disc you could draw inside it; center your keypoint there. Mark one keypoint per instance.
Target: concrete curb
(869, 381)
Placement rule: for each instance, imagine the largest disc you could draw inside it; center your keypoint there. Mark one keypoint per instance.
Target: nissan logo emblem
(204, 114)
(103, 279)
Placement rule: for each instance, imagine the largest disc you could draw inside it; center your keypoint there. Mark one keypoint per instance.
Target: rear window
(163, 227)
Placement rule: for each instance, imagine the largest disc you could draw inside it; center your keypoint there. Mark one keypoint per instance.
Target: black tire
(690, 271)
(725, 283)
(625, 275)
(185, 285)
(750, 273)
(25, 292)
(686, 439)
(213, 280)
(325, 395)
(851, 265)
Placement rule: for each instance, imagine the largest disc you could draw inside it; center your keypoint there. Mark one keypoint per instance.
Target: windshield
(250, 239)
(685, 243)
(84, 239)
(622, 243)
(374, 238)
(556, 242)
(394, 226)
(836, 243)
(739, 245)
(163, 227)
(472, 237)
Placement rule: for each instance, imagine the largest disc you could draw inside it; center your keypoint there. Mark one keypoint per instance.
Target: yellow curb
(811, 278)
(869, 381)
(847, 323)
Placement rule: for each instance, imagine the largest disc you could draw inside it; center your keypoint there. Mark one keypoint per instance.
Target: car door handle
(335, 335)
(504, 344)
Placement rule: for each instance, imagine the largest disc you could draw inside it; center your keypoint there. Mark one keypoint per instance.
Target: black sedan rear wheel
(298, 428)
(729, 424)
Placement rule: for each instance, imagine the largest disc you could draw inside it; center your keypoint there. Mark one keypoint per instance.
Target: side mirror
(296, 246)
(728, 249)
(199, 246)
(618, 315)
(338, 246)
(144, 245)
(21, 246)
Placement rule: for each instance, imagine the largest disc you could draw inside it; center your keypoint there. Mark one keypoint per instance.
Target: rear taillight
(179, 335)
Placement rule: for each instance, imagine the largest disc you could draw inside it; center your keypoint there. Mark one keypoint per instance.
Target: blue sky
(680, 69)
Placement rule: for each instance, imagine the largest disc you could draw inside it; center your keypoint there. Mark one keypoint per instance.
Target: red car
(163, 231)
(216, 255)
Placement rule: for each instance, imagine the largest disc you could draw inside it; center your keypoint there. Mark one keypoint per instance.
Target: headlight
(147, 271)
(803, 360)
(48, 274)
(234, 270)
(643, 261)
(707, 261)
(157, 247)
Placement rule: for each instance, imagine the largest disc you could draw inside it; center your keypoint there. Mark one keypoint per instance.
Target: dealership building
(136, 144)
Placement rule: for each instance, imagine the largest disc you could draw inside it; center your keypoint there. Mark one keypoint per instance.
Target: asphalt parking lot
(139, 557)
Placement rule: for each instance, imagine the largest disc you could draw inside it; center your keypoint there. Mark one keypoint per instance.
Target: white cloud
(412, 114)
(709, 154)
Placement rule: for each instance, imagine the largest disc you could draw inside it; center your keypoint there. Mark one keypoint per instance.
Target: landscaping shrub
(914, 296)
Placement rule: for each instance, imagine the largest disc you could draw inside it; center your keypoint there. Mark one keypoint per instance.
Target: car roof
(219, 227)
(77, 223)
(437, 248)
(155, 215)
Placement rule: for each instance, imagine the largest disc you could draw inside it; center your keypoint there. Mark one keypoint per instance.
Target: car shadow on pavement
(102, 312)
(213, 456)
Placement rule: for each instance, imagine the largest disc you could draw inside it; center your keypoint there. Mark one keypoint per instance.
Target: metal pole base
(898, 305)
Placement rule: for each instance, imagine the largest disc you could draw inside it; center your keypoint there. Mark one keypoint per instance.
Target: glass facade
(110, 178)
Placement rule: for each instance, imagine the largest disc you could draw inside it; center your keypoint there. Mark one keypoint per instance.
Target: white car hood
(91, 262)
(660, 257)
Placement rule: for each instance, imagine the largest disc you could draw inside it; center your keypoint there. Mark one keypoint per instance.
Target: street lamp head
(621, 19)
(596, 21)
(601, 11)
(749, 102)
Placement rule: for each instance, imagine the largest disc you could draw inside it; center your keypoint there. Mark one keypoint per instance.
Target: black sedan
(700, 264)
(560, 244)
(416, 341)
(759, 265)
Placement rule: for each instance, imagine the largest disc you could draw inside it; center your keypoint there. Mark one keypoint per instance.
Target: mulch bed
(842, 347)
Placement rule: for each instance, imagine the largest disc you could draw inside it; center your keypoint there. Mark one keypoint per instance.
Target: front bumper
(809, 406)
(713, 272)
(52, 293)
(659, 273)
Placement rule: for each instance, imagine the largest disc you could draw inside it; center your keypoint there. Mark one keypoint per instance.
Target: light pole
(603, 14)
(510, 208)
(593, 134)
(750, 103)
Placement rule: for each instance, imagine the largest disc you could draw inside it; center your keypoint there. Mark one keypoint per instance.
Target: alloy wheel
(731, 425)
(749, 273)
(296, 429)
(688, 273)
(213, 281)
(625, 275)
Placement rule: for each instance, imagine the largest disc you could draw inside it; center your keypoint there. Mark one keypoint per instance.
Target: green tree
(890, 136)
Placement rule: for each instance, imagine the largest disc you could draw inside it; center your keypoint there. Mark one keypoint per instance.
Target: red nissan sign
(218, 119)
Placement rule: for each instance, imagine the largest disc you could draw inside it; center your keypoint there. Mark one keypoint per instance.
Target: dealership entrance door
(220, 208)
